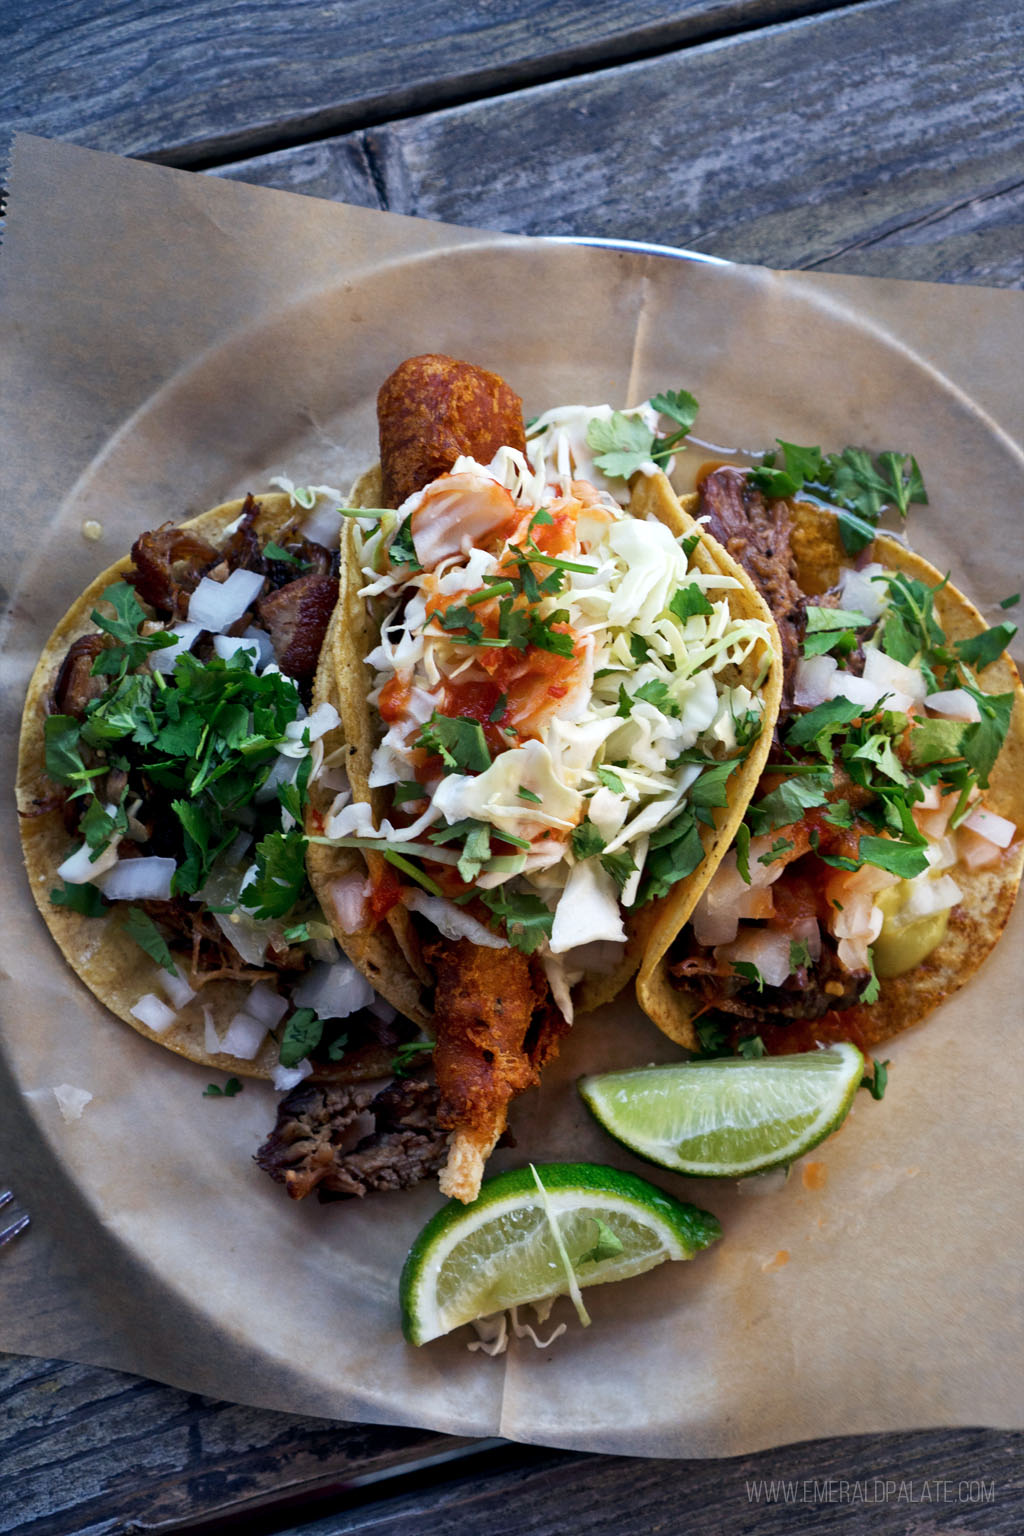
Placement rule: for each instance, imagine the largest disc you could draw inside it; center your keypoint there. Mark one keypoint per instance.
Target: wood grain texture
(97, 1452)
(183, 82)
(881, 139)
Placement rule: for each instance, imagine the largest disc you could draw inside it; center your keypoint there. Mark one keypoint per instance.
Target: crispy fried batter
(434, 408)
(495, 1029)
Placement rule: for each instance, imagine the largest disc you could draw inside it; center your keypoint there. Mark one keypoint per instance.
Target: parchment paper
(171, 341)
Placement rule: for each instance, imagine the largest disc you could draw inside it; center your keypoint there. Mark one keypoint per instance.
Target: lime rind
(474, 1260)
(727, 1118)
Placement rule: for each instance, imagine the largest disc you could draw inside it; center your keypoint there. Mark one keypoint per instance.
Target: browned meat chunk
(306, 1150)
(75, 684)
(756, 533)
(431, 410)
(169, 563)
(296, 617)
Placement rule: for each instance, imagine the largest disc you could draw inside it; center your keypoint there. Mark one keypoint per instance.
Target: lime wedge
(724, 1119)
(474, 1260)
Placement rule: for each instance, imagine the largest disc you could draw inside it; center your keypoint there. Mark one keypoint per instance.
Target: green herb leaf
(280, 874)
(138, 925)
(586, 840)
(407, 791)
(877, 1080)
(274, 551)
(528, 795)
(903, 859)
(786, 805)
(675, 851)
(402, 550)
(409, 1056)
(743, 852)
(623, 444)
(231, 1087)
(84, 899)
(300, 1038)
(749, 972)
(799, 954)
(459, 743)
(527, 920)
(981, 650)
(610, 779)
(751, 1046)
(689, 600)
(620, 865)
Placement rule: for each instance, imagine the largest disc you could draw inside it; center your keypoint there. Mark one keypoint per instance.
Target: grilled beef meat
(756, 533)
(296, 617)
(310, 1146)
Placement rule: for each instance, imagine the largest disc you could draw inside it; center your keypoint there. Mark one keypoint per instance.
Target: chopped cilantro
(743, 852)
(620, 865)
(713, 1035)
(459, 743)
(610, 779)
(981, 650)
(749, 972)
(751, 1046)
(1010, 602)
(300, 1038)
(639, 649)
(819, 619)
(903, 859)
(402, 550)
(690, 544)
(675, 851)
(280, 874)
(407, 791)
(877, 1080)
(499, 709)
(586, 840)
(274, 551)
(623, 445)
(475, 853)
(84, 899)
(231, 1087)
(816, 728)
(528, 795)
(859, 485)
(786, 804)
(527, 920)
(799, 954)
(689, 600)
(139, 926)
(780, 846)
(130, 647)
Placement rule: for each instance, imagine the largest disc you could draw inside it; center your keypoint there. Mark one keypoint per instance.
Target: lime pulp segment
(727, 1118)
(474, 1260)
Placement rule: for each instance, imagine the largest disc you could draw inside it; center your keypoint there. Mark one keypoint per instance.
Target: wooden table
(880, 137)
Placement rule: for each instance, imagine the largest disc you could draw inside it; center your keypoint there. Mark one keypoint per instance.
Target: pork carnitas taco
(556, 696)
(879, 856)
(165, 750)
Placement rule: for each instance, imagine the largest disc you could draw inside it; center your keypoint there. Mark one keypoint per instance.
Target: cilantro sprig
(859, 484)
(625, 443)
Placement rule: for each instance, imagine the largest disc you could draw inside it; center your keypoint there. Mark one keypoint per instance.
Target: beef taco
(556, 695)
(164, 754)
(878, 859)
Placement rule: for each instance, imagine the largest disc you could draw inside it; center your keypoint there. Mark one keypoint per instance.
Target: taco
(555, 706)
(879, 857)
(164, 752)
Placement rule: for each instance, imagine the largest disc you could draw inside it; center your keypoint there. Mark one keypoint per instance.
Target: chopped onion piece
(211, 1039)
(767, 948)
(285, 1078)
(243, 1037)
(71, 1100)
(954, 704)
(333, 991)
(265, 1004)
(146, 879)
(813, 680)
(997, 829)
(977, 852)
(892, 676)
(154, 1013)
(177, 988)
(860, 593)
(227, 645)
(78, 869)
(347, 896)
(216, 605)
(164, 660)
(323, 719)
(926, 896)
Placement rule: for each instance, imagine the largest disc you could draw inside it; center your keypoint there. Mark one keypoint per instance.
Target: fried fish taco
(164, 755)
(879, 857)
(553, 706)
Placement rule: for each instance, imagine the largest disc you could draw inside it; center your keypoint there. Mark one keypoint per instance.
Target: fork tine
(12, 1231)
(6, 1197)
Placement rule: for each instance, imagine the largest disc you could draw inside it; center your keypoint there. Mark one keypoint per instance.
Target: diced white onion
(211, 1040)
(454, 922)
(347, 897)
(976, 852)
(263, 644)
(285, 1078)
(153, 1012)
(164, 660)
(813, 680)
(383, 1010)
(147, 879)
(954, 704)
(892, 677)
(71, 1100)
(323, 719)
(860, 594)
(265, 1004)
(78, 869)
(333, 991)
(767, 948)
(227, 645)
(846, 685)
(997, 829)
(928, 896)
(248, 934)
(243, 1037)
(216, 605)
(177, 988)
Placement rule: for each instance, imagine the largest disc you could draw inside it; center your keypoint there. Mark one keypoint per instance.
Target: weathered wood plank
(204, 78)
(90, 1451)
(880, 139)
(83, 1449)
